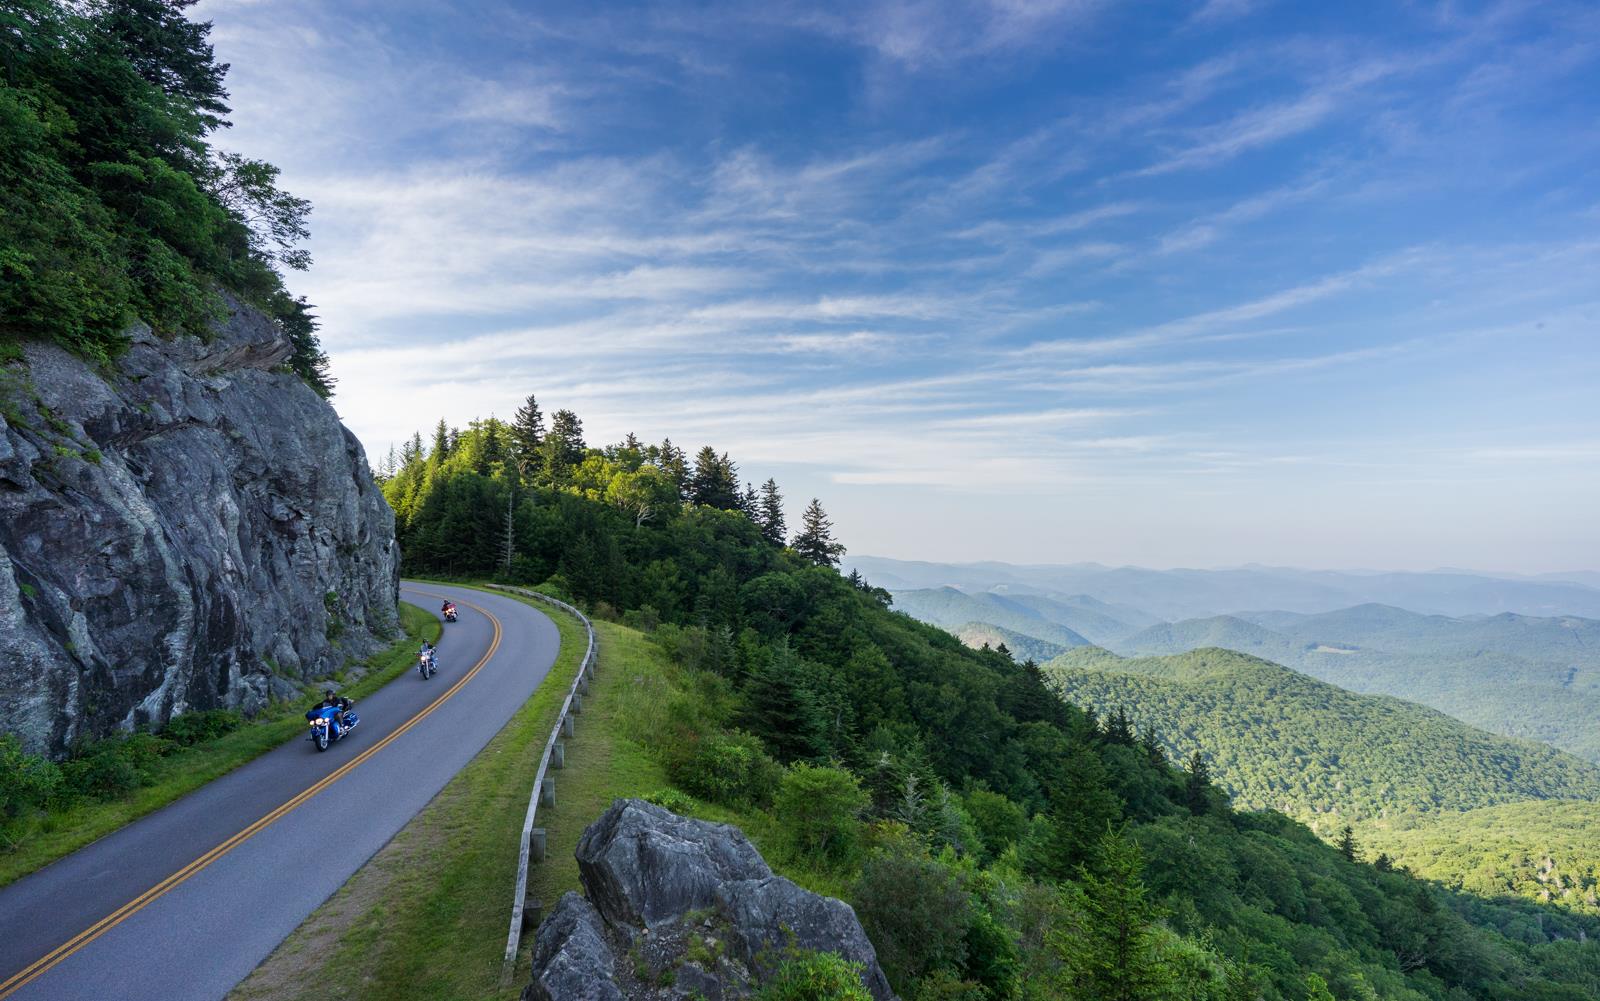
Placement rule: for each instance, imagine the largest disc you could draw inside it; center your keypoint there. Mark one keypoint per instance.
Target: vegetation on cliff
(114, 204)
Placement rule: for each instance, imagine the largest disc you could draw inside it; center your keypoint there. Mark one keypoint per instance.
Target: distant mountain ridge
(1280, 739)
(1187, 593)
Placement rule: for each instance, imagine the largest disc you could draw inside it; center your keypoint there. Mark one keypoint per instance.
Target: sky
(1180, 284)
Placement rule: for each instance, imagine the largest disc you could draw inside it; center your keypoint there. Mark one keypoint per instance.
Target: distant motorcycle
(427, 665)
(450, 613)
(326, 726)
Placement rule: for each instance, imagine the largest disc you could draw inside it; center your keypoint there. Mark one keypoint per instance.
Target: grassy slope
(61, 833)
(426, 917)
(1279, 739)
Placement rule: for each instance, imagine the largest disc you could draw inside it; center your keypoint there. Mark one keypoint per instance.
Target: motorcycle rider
(332, 700)
(429, 651)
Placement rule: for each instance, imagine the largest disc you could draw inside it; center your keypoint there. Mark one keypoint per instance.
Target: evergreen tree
(750, 503)
(1119, 729)
(1153, 751)
(815, 540)
(169, 50)
(562, 449)
(770, 514)
(1197, 784)
(527, 433)
(715, 481)
(1347, 844)
(441, 446)
(675, 463)
(1112, 957)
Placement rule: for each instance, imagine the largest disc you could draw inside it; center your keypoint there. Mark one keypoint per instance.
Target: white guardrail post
(532, 842)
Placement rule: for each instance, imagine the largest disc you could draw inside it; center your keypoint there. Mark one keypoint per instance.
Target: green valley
(1278, 739)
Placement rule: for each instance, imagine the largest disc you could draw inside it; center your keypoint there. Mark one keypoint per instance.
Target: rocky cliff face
(680, 909)
(188, 530)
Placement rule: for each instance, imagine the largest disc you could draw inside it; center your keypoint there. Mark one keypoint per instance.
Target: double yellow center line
(50, 960)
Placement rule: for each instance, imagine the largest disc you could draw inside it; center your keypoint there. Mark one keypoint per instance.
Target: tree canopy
(114, 206)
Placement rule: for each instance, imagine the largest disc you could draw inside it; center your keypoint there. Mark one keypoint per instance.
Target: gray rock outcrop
(679, 908)
(188, 528)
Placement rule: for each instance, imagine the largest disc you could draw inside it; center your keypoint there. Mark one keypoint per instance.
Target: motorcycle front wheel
(322, 738)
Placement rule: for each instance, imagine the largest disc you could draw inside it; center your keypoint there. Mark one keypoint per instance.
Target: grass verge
(61, 832)
(426, 917)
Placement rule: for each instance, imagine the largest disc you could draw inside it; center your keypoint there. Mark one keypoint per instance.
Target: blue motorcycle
(326, 725)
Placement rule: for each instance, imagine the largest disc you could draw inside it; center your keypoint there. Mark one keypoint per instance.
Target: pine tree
(770, 513)
(1197, 785)
(715, 481)
(1119, 729)
(1347, 844)
(675, 464)
(527, 432)
(1153, 751)
(562, 449)
(815, 540)
(170, 51)
(1113, 957)
(441, 444)
(750, 504)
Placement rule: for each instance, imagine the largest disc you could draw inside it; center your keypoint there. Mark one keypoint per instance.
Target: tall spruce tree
(1347, 844)
(675, 463)
(1113, 956)
(169, 50)
(769, 514)
(715, 481)
(1197, 785)
(562, 449)
(527, 432)
(815, 539)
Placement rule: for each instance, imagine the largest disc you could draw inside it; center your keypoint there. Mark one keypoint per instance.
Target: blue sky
(1170, 284)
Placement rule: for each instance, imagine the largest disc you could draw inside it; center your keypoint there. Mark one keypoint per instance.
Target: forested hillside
(1516, 675)
(1544, 851)
(997, 841)
(114, 205)
(979, 635)
(1278, 739)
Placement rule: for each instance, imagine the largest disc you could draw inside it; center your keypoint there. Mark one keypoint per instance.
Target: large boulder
(644, 865)
(187, 527)
(572, 961)
(685, 908)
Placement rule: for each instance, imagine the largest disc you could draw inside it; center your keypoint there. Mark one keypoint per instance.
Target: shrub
(916, 912)
(644, 618)
(671, 799)
(111, 767)
(817, 809)
(942, 985)
(198, 727)
(733, 769)
(27, 781)
(815, 976)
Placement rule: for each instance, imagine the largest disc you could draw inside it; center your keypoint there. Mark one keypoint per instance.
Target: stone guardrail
(532, 847)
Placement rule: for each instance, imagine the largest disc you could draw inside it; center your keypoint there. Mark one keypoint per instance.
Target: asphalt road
(184, 903)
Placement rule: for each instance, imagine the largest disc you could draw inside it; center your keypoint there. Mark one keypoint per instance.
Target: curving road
(185, 902)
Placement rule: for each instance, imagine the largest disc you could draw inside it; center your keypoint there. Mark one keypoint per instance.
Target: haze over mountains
(1185, 593)
(1506, 671)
